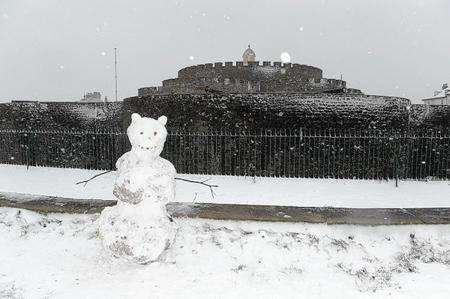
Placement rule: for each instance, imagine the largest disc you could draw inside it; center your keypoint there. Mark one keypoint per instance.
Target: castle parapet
(145, 91)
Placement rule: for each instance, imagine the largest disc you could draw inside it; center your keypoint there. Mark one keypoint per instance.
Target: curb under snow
(329, 215)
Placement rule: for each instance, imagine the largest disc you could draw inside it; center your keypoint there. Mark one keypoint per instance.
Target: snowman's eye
(154, 133)
(142, 133)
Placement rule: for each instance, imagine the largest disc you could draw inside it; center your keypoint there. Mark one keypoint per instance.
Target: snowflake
(285, 57)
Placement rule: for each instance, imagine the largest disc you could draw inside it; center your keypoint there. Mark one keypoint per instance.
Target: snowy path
(60, 256)
(264, 191)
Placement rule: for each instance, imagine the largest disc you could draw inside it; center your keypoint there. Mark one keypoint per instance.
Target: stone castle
(245, 95)
(248, 76)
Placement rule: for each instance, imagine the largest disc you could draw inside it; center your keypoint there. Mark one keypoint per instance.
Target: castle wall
(256, 77)
(430, 116)
(61, 116)
(232, 112)
(288, 111)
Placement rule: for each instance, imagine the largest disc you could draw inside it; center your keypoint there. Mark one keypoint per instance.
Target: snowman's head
(147, 135)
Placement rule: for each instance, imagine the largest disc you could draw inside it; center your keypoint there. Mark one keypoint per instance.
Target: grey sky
(57, 50)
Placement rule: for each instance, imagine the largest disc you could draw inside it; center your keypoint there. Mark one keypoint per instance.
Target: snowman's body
(138, 227)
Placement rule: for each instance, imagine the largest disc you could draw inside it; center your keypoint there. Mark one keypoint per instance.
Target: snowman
(138, 228)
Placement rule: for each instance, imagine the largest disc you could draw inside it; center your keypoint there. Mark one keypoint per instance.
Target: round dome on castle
(248, 56)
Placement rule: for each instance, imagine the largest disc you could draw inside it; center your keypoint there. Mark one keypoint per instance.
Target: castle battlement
(249, 64)
(252, 64)
(253, 71)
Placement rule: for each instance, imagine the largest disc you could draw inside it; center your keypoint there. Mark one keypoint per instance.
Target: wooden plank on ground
(52, 204)
(329, 215)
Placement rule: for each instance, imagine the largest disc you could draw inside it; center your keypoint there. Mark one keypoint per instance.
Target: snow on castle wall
(242, 78)
(279, 111)
(232, 111)
(61, 116)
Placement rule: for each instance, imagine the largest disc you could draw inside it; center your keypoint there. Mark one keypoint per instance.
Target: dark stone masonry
(253, 77)
(251, 112)
(210, 111)
(61, 116)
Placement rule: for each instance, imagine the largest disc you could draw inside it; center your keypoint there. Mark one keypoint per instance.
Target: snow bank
(60, 256)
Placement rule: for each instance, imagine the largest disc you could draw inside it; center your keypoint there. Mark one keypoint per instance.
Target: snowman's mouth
(148, 148)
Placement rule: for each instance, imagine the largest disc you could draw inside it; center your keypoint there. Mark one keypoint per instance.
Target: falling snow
(285, 57)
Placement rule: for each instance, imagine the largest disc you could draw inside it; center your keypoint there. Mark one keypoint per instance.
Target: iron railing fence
(268, 153)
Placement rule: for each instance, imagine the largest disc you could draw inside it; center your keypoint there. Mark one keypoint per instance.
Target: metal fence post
(27, 156)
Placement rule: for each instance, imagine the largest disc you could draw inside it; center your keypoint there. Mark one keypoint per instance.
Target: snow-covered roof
(441, 93)
(444, 92)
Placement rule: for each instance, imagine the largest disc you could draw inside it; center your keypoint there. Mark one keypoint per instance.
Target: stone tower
(247, 76)
(248, 56)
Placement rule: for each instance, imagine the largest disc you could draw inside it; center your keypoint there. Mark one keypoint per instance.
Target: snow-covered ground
(60, 256)
(264, 191)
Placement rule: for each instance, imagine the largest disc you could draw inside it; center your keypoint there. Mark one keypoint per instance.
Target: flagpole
(115, 71)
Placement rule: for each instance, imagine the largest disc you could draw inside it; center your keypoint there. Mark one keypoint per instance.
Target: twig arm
(198, 182)
(210, 186)
(95, 176)
(201, 183)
